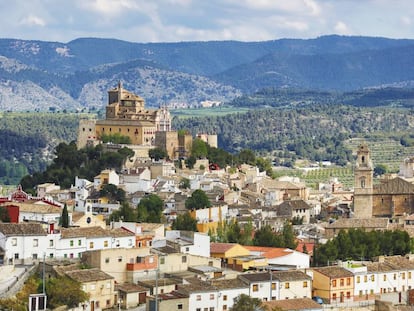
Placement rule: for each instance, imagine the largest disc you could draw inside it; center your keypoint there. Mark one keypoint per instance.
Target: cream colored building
(120, 263)
(99, 285)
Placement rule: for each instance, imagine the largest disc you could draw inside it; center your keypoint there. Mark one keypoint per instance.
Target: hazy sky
(203, 20)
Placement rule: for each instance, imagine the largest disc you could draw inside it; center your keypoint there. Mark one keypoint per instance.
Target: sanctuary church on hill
(126, 115)
(391, 198)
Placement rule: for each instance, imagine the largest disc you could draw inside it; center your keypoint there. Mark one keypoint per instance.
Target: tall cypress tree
(64, 218)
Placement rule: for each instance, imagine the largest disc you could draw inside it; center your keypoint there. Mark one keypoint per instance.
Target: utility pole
(43, 273)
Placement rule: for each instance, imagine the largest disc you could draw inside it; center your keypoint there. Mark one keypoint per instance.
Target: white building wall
(203, 300)
(296, 259)
(226, 297)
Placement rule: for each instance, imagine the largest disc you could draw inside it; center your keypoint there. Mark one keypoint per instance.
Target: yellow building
(334, 284)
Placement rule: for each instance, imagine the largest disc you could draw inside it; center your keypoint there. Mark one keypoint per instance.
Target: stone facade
(363, 188)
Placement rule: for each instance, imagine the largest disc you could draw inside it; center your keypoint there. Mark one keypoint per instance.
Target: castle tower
(363, 183)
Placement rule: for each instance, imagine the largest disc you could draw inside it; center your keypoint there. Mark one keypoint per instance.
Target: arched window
(362, 182)
(363, 159)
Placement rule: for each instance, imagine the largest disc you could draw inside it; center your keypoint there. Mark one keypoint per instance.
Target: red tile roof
(221, 247)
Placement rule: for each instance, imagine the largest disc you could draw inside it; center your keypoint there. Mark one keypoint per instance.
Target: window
(348, 295)
(341, 282)
(224, 307)
(333, 283)
(287, 285)
(211, 308)
(225, 297)
(90, 244)
(198, 298)
(403, 276)
(334, 296)
(107, 260)
(348, 281)
(71, 242)
(35, 242)
(365, 278)
(51, 243)
(180, 306)
(358, 279)
(108, 302)
(14, 241)
(360, 293)
(120, 259)
(371, 291)
(51, 255)
(162, 260)
(305, 284)
(211, 296)
(184, 259)
(16, 256)
(395, 276)
(255, 287)
(106, 243)
(372, 278)
(71, 255)
(273, 286)
(34, 256)
(409, 274)
(187, 249)
(129, 242)
(385, 277)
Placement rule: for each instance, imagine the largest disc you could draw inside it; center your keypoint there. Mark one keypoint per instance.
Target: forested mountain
(38, 75)
(316, 132)
(28, 141)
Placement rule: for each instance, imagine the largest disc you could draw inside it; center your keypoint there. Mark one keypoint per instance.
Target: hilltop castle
(126, 114)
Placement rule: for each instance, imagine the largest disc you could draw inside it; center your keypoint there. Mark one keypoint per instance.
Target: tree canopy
(244, 302)
(157, 154)
(184, 222)
(150, 208)
(70, 162)
(357, 244)
(64, 291)
(197, 200)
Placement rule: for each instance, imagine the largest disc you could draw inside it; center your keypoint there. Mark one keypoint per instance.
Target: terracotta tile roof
(22, 229)
(391, 263)
(270, 252)
(88, 275)
(173, 295)
(296, 204)
(334, 272)
(93, 232)
(197, 285)
(130, 288)
(290, 275)
(293, 304)
(36, 208)
(221, 247)
(255, 277)
(345, 223)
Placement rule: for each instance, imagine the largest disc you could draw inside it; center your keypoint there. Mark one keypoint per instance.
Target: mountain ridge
(190, 72)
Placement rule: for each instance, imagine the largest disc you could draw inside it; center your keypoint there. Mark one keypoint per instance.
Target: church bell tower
(363, 183)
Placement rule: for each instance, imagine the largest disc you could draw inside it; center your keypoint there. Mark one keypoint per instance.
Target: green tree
(157, 154)
(244, 302)
(184, 222)
(247, 156)
(197, 200)
(116, 138)
(266, 237)
(233, 232)
(64, 219)
(124, 213)
(150, 209)
(199, 149)
(113, 193)
(380, 169)
(64, 291)
(288, 236)
(184, 183)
